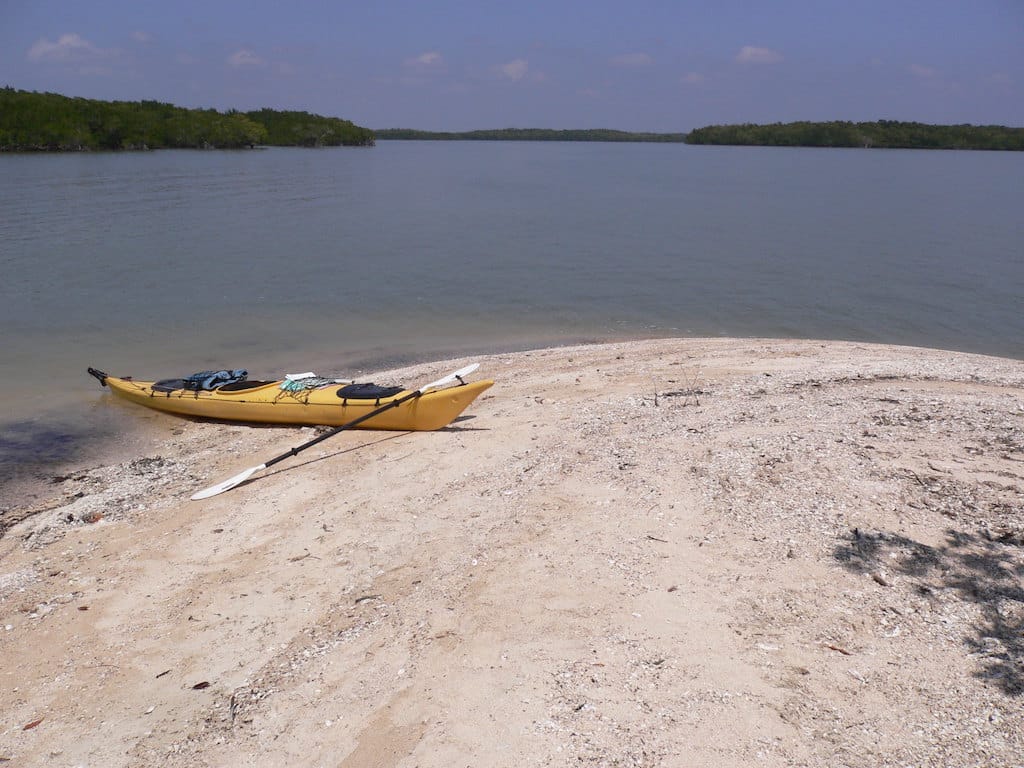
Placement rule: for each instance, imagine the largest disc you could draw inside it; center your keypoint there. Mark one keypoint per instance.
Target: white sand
(677, 552)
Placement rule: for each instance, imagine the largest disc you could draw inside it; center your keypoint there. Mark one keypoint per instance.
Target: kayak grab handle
(101, 377)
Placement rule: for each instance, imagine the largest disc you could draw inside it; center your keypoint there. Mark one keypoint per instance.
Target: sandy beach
(681, 552)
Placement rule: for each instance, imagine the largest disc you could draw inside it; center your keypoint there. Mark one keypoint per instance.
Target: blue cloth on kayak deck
(367, 392)
(210, 380)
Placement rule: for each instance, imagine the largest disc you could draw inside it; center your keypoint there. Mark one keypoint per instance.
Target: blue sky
(458, 65)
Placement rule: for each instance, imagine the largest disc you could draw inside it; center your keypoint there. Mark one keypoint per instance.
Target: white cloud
(422, 69)
(426, 60)
(632, 60)
(515, 69)
(693, 78)
(750, 54)
(243, 57)
(921, 71)
(71, 48)
(141, 37)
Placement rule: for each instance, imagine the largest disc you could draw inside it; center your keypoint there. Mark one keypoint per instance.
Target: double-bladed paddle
(241, 477)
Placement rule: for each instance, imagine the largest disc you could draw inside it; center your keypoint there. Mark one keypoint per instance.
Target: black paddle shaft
(343, 427)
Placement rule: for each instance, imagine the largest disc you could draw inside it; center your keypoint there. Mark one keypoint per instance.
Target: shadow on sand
(977, 568)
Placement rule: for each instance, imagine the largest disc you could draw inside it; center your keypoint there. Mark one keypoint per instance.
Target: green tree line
(890, 134)
(527, 134)
(301, 129)
(31, 121)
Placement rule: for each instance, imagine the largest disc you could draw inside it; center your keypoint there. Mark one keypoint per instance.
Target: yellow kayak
(284, 402)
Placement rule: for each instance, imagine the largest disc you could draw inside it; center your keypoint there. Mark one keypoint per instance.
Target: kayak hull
(267, 403)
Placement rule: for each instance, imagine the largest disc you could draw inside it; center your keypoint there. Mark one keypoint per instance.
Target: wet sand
(675, 552)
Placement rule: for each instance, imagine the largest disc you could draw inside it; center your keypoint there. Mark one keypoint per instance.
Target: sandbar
(700, 552)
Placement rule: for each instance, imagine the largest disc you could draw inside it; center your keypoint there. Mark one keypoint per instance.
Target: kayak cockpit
(173, 385)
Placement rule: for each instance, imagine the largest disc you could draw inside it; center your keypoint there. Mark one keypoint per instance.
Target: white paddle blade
(241, 477)
(227, 485)
(450, 377)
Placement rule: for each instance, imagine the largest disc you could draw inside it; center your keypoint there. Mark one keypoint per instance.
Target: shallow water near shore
(346, 260)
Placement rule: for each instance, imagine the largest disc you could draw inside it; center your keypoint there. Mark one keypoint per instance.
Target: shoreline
(129, 432)
(103, 430)
(726, 550)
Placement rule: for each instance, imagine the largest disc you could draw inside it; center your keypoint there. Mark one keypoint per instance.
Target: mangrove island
(31, 121)
(882, 134)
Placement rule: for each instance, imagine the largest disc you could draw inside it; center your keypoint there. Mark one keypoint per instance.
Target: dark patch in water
(36, 450)
(28, 442)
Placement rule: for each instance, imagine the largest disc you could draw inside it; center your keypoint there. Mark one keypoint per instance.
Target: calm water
(163, 263)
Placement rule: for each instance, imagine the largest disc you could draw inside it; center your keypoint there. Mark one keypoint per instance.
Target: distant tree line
(31, 121)
(889, 134)
(49, 121)
(301, 129)
(527, 134)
